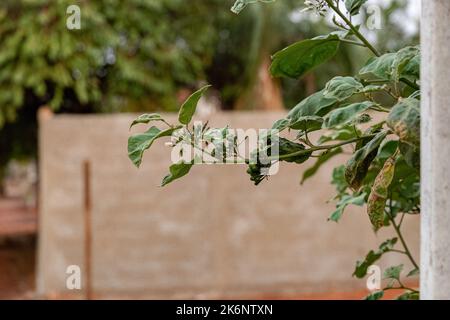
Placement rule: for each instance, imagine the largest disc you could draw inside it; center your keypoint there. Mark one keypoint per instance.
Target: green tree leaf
(358, 165)
(373, 256)
(301, 57)
(377, 295)
(239, 5)
(409, 296)
(314, 105)
(353, 6)
(188, 108)
(404, 120)
(380, 67)
(342, 88)
(138, 143)
(146, 118)
(320, 161)
(346, 200)
(346, 114)
(177, 171)
(393, 272)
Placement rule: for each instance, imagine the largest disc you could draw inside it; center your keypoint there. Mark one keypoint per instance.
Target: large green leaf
(358, 165)
(138, 143)
(301, 57)
(404, 120)
(177, 171)
(342, 88)
(187, 110)
(373, 256)
(346, 114)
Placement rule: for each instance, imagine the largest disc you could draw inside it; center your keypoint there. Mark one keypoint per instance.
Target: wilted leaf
(187, 110)
(376, 203)
(301, 57)
(373, 256)
(176, 171)
(346, 114)
(358, 165)
(342, 88)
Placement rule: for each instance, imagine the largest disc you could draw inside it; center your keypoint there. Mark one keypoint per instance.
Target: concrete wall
(211, 234)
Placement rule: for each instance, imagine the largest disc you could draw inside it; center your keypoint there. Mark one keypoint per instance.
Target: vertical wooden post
(87, 229)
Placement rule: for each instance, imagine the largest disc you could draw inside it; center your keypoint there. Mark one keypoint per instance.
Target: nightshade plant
(376, 113)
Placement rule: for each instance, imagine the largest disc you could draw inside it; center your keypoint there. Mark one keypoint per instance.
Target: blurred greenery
(138, 55)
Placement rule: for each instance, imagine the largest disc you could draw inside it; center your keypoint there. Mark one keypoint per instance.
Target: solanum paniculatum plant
(375, 114)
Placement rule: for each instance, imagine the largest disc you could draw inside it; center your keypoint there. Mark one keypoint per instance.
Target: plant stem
(399, 234)
(318, 148)
(352, 27)
(363, 39)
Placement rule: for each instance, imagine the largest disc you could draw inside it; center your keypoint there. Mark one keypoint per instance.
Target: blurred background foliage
(142, 55)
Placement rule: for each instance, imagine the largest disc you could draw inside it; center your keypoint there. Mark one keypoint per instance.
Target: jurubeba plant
(376, 113)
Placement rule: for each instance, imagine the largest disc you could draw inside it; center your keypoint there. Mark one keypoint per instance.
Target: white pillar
(435, 148)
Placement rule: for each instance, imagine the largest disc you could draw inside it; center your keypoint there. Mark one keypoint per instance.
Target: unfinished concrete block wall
(210, 234)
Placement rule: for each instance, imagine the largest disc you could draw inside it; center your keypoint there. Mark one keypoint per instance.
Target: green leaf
(346, 200)
(315, 105)
(287, 147)
(404, 120)
(138, 143)
(187, 110)
(409, 296)
(301, 57)
(393, 272)
(239, 5)
(377, 295)
(342, 88)
(353, 6)
(338, 179)
(341, 134)
(358, 165)
(411, 154)
(177, 171)
(281, 124)
(409, 58)
(380, 67)
(320, 161)
(146, 118)
(373, 256)
(414, 272)
(307, 123)
(346, 114)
